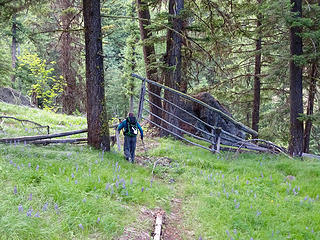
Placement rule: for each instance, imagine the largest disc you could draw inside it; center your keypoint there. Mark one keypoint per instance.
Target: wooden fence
(217, 134)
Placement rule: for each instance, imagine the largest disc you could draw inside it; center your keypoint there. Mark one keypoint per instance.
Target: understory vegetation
(73, 191)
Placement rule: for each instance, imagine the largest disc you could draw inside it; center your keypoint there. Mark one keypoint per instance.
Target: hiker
(130, 132)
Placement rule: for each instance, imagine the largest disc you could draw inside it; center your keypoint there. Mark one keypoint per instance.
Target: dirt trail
(172, 228)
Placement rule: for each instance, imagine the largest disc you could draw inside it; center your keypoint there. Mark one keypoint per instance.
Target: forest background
(238, 50)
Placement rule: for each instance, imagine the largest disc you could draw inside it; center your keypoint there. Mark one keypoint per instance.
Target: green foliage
(5, 67)
(37, 76)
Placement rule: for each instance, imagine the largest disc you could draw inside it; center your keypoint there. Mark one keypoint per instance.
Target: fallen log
(29, 121)
(50, 141)
(40, 137)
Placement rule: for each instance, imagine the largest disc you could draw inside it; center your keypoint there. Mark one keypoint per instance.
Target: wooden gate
(214, 137)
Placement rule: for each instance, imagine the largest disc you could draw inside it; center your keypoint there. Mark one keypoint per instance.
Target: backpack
(132, 127)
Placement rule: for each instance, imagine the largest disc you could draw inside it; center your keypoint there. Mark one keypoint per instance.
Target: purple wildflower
(124, 185)
(20, 208)
(80, 226)
(131, 181)
(84, 200)
(117, 184)
(67, 179)
(37, 215)
(30, 197)
(77, 168)
(98, 220)
(237, 205)
(306, 198)
(107, 186)
(37, 168)
(142, 189)
(258, 213)
(270, 177)
(227, 232)
(29, 212)
(99, 179)
(235, 231)
(200, 238)
(261, 175)
(247, 182)
(76, 182)
(89, 172)
(45, 207)
(72, 175)
(15, 191)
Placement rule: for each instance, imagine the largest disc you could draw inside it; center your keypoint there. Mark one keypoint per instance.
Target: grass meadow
(75, 192)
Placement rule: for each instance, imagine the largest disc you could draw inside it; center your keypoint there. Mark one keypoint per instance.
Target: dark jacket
(124, 125)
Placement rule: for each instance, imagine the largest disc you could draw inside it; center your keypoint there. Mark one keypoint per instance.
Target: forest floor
(77, 192)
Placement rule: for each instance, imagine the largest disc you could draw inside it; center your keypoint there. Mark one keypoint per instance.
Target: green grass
(224, 196)
(244, 196)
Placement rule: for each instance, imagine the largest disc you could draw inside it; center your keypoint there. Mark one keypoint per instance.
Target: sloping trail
(172, 227)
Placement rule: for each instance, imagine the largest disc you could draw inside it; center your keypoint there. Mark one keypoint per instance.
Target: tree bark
(310, 106)
(149, 58)
(98, 129)
(257, 83)
(14, 46)
(296, 104)
(174, 63)
(66, 58)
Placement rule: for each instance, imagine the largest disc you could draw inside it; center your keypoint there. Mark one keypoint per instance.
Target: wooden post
(218, 133)
(141, 99)
(214, 142)
(118, 141)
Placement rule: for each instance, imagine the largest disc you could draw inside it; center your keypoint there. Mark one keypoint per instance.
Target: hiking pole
(144, 147)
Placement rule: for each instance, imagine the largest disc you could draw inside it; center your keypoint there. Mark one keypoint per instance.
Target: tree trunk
(66, 58)
(14, 46)
(98, 129)
(296, 104)
(257, 73)
(174, 63)
(311, 97)
(149, 59)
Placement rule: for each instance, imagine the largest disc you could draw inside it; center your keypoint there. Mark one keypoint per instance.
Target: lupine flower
(235, 231)
(270, 177)
(124, 185)
(227, 232)
(29, 212)
(142, 189)
(107, 186)
(261, 175)
(77, 168)
(72, 175)
(98, 179)
(37, 168)
(131, 181)
(30, 197)
(200, 238)
(117, 184)
(247, 182)
(258, 213)
(80, 226)
(45, 207)
(15, 191)
(37, 215)
(84, 200)
(98, 220)
(67, 179)
(76, 182)
(20, 208)
(306, 198)
(237, 205)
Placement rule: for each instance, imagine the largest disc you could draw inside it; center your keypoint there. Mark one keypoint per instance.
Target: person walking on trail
(131, 127)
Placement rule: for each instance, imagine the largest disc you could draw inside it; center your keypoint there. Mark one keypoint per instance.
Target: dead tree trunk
(149, 58)
(98, 129)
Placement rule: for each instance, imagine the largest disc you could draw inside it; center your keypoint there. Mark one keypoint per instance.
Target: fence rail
(231, 141)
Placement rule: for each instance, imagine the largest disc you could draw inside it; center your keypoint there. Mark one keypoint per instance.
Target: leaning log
(39, 137)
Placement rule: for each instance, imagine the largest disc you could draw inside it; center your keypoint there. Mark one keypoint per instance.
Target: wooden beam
(47, 141)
